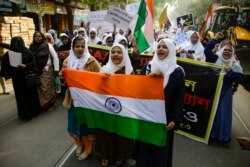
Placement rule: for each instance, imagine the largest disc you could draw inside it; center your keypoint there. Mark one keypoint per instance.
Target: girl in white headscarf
(121, 40)
(119, 63)
(107, 40)
(93, 38)
(222, 125)
(79, 59)
(81, 31)
(164, 64)
(192, 49)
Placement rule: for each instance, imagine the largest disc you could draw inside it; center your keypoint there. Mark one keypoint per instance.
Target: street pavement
(44, 141)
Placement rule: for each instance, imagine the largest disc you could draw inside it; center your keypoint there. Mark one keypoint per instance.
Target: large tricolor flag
(144, 31)
(126, 105)
(207, 21)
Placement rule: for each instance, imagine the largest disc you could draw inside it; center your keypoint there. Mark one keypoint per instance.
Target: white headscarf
(110, 67)
(105, 38)
(85, 33)
(198, 47)
(120, 38)
(78, 63)
(235, 66)
(168, 64)
(96, 40)
(162, 36)
(63, 35)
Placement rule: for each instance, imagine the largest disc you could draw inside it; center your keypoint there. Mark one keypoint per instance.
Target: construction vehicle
(234, 23)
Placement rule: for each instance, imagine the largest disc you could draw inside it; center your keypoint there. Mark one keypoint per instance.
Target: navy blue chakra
(113, 105)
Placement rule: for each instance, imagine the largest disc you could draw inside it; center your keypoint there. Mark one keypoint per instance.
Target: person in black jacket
(164, 64)
(26, 98)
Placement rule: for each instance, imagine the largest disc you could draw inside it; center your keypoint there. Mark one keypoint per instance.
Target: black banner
(203, 83)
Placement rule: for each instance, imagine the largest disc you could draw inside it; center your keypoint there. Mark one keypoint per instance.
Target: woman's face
(116, 55)
(162, 51)
(65, 41)
(227, 53)
(194, 38)
(79, 48)
(109, 42)
(82, 33)
(92, 34)
(124, 43)
(38, 38)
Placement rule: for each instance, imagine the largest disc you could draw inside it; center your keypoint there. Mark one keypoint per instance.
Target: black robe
(27, 99)
(149, 155)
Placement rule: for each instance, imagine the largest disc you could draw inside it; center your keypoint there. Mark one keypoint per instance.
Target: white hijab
(198, 47)
(105, 38)
(110, 67)
(85, 33)
(93, 41)
(168, 64)
(120, 38)
(78, 63)
(235, 66)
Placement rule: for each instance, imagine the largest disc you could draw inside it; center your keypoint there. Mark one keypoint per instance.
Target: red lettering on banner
(193, 100)
(105, 56)
(98, 55)
(143, 60)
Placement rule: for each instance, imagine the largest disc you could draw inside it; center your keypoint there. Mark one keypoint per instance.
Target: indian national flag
(207, 20)
(126, 105)
(144, 31)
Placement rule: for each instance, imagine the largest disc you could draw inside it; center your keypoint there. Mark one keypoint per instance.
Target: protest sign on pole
(119, 17)
(133, 9)
(80, 16)
(185, 20)
(97, 20)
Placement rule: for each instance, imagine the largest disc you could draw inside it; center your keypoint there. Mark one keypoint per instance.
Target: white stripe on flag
(148, 110)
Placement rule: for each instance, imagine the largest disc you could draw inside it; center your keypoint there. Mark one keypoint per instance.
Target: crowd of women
(48, 55)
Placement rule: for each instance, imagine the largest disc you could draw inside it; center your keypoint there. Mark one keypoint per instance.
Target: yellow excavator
(234, 22)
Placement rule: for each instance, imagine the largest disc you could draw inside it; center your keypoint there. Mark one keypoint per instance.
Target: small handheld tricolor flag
(126, 105)
(144, 31)
(207, 21)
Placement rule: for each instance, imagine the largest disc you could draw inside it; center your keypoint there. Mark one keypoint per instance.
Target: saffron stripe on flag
(131, 84)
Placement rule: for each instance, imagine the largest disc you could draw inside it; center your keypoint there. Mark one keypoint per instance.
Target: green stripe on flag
(149, 132)
(142, 42)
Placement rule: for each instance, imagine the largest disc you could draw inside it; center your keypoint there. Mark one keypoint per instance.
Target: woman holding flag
(164, 64)
(80, 59)
(115, 148)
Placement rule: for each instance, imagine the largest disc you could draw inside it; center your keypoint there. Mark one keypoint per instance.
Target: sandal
(105, 162)
(83, 156)
(79, 151)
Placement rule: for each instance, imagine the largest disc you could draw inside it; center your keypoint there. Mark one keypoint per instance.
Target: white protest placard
(118, 16)
(97, 20)
(80, 16)
(133, 10)
(15, 58)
